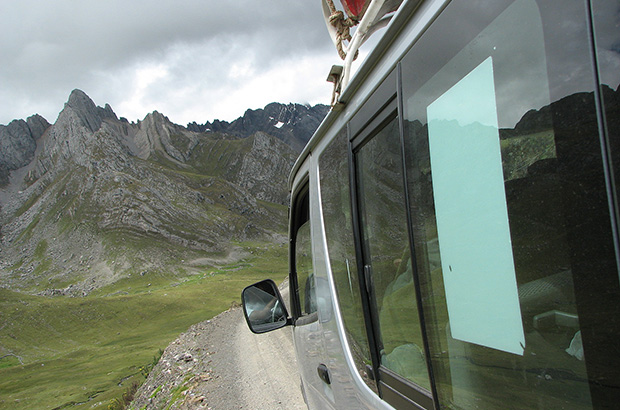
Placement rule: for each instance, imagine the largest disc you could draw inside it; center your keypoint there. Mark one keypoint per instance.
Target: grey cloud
(49, 48)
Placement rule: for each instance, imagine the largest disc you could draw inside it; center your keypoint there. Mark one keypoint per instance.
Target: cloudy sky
(192, 60)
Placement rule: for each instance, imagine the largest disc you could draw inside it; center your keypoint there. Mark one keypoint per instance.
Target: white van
(454, 220)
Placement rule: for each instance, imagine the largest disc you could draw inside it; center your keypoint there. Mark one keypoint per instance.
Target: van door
(308, 337)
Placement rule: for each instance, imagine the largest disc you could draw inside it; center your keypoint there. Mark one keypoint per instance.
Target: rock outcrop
(263, 164)
(18, 142)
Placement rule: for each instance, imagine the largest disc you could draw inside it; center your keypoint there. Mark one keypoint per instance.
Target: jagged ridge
(294, 124)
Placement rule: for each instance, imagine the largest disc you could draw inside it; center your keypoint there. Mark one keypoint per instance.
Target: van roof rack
(367, 16)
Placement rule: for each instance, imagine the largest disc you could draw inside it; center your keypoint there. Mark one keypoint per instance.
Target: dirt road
(220, 365)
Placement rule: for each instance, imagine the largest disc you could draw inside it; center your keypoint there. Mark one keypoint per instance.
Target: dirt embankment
(219, 364)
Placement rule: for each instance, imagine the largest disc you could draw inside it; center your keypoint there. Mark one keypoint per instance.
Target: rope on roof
(343, 26)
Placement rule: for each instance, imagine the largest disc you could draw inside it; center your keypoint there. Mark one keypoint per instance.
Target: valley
(80, 352)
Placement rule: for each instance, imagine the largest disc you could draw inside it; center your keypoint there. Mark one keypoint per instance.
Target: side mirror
(263, 307)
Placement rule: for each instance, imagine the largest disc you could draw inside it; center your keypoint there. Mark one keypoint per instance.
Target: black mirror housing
(263, 307)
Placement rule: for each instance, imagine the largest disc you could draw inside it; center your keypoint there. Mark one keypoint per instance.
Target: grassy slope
(79, 350)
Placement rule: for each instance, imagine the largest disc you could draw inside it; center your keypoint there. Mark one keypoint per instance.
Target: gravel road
(220, 365)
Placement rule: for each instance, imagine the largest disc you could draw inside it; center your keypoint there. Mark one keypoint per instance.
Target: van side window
(387, 258)
(505, 183)
(305, 291)
(335, 200)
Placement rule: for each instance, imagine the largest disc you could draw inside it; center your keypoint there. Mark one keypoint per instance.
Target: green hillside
(84, 352)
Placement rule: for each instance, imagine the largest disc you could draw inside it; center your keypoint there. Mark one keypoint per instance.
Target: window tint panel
(476, 257)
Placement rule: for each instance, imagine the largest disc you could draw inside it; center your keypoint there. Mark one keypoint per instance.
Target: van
(454, 220)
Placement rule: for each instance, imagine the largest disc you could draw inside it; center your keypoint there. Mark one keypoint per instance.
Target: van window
(305, 289)
(335, 200)
(387, 258)
(508, 204)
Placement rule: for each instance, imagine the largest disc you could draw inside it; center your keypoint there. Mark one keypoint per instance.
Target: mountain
(93, 199)
(294, 124)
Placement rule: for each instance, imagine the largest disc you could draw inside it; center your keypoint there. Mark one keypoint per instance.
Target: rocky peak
(91, 177)
(90, 115)
(74, 136)
(37, 125)
(16, 144)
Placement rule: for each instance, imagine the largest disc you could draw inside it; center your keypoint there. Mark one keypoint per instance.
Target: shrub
(125, 400)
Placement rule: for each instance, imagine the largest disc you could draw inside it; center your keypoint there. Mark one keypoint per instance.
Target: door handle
(324, 373)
